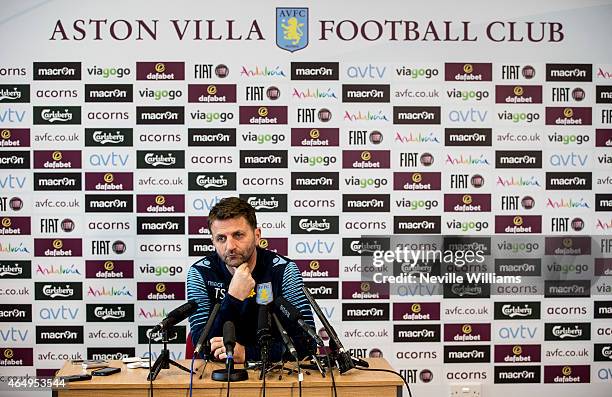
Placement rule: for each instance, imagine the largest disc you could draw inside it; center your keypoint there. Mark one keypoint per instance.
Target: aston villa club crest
(292, 28)
(264, 294)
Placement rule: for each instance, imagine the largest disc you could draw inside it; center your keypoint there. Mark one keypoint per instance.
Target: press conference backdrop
(123, 123)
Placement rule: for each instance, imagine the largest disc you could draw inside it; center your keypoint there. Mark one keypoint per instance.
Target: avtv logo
(58, 313)
(13, 335)
(317, 246)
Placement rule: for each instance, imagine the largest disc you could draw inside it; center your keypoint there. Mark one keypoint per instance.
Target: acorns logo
(468, 68)
(160, 67)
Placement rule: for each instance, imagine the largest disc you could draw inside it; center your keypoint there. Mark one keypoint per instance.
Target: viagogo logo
(161, 270)
(210, 117)
(108, 72)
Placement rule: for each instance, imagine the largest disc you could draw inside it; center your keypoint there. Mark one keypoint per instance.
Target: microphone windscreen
(263, 319)
(183, 311)
(287, 309)
(229, 334)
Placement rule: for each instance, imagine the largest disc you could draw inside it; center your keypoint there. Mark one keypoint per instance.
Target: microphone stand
(319, 365)
(206, 357)
(163, 360)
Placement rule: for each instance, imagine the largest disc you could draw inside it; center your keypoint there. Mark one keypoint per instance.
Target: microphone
(211, 320)
(293, 315)
(263, 325)
(343, 358)
(285, 338)
(229, 374)
(263, 339)
(229, 340)
(176, 316)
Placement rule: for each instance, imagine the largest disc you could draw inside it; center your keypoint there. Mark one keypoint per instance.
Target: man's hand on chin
(242, 283)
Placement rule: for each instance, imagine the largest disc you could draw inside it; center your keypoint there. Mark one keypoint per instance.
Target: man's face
(234, 240)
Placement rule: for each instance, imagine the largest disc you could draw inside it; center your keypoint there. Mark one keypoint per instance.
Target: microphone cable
(150, 369)
(191, 376)
(331, 372)
(263, 371)
(388, 370)
(229, 372)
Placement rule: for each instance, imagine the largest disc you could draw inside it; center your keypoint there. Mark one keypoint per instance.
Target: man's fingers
(244, 268)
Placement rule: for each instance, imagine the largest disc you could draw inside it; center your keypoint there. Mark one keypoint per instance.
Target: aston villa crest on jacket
(292, 28)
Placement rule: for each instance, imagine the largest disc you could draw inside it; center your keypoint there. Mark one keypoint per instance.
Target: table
(174, 382)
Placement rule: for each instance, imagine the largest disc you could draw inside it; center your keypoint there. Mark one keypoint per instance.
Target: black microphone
(293, 315)
(229, 374)
(211, 320)
(343, 358)
(263, 324)
(263, 331)
(176, 316)
(229, 340)
(285, 338)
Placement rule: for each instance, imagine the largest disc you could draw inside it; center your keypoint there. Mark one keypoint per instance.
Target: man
(241, 276)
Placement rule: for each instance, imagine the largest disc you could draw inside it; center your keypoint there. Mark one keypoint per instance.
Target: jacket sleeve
(196, 290)
(292, 291)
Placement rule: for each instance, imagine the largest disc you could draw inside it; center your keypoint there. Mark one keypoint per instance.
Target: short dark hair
(230, 208)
